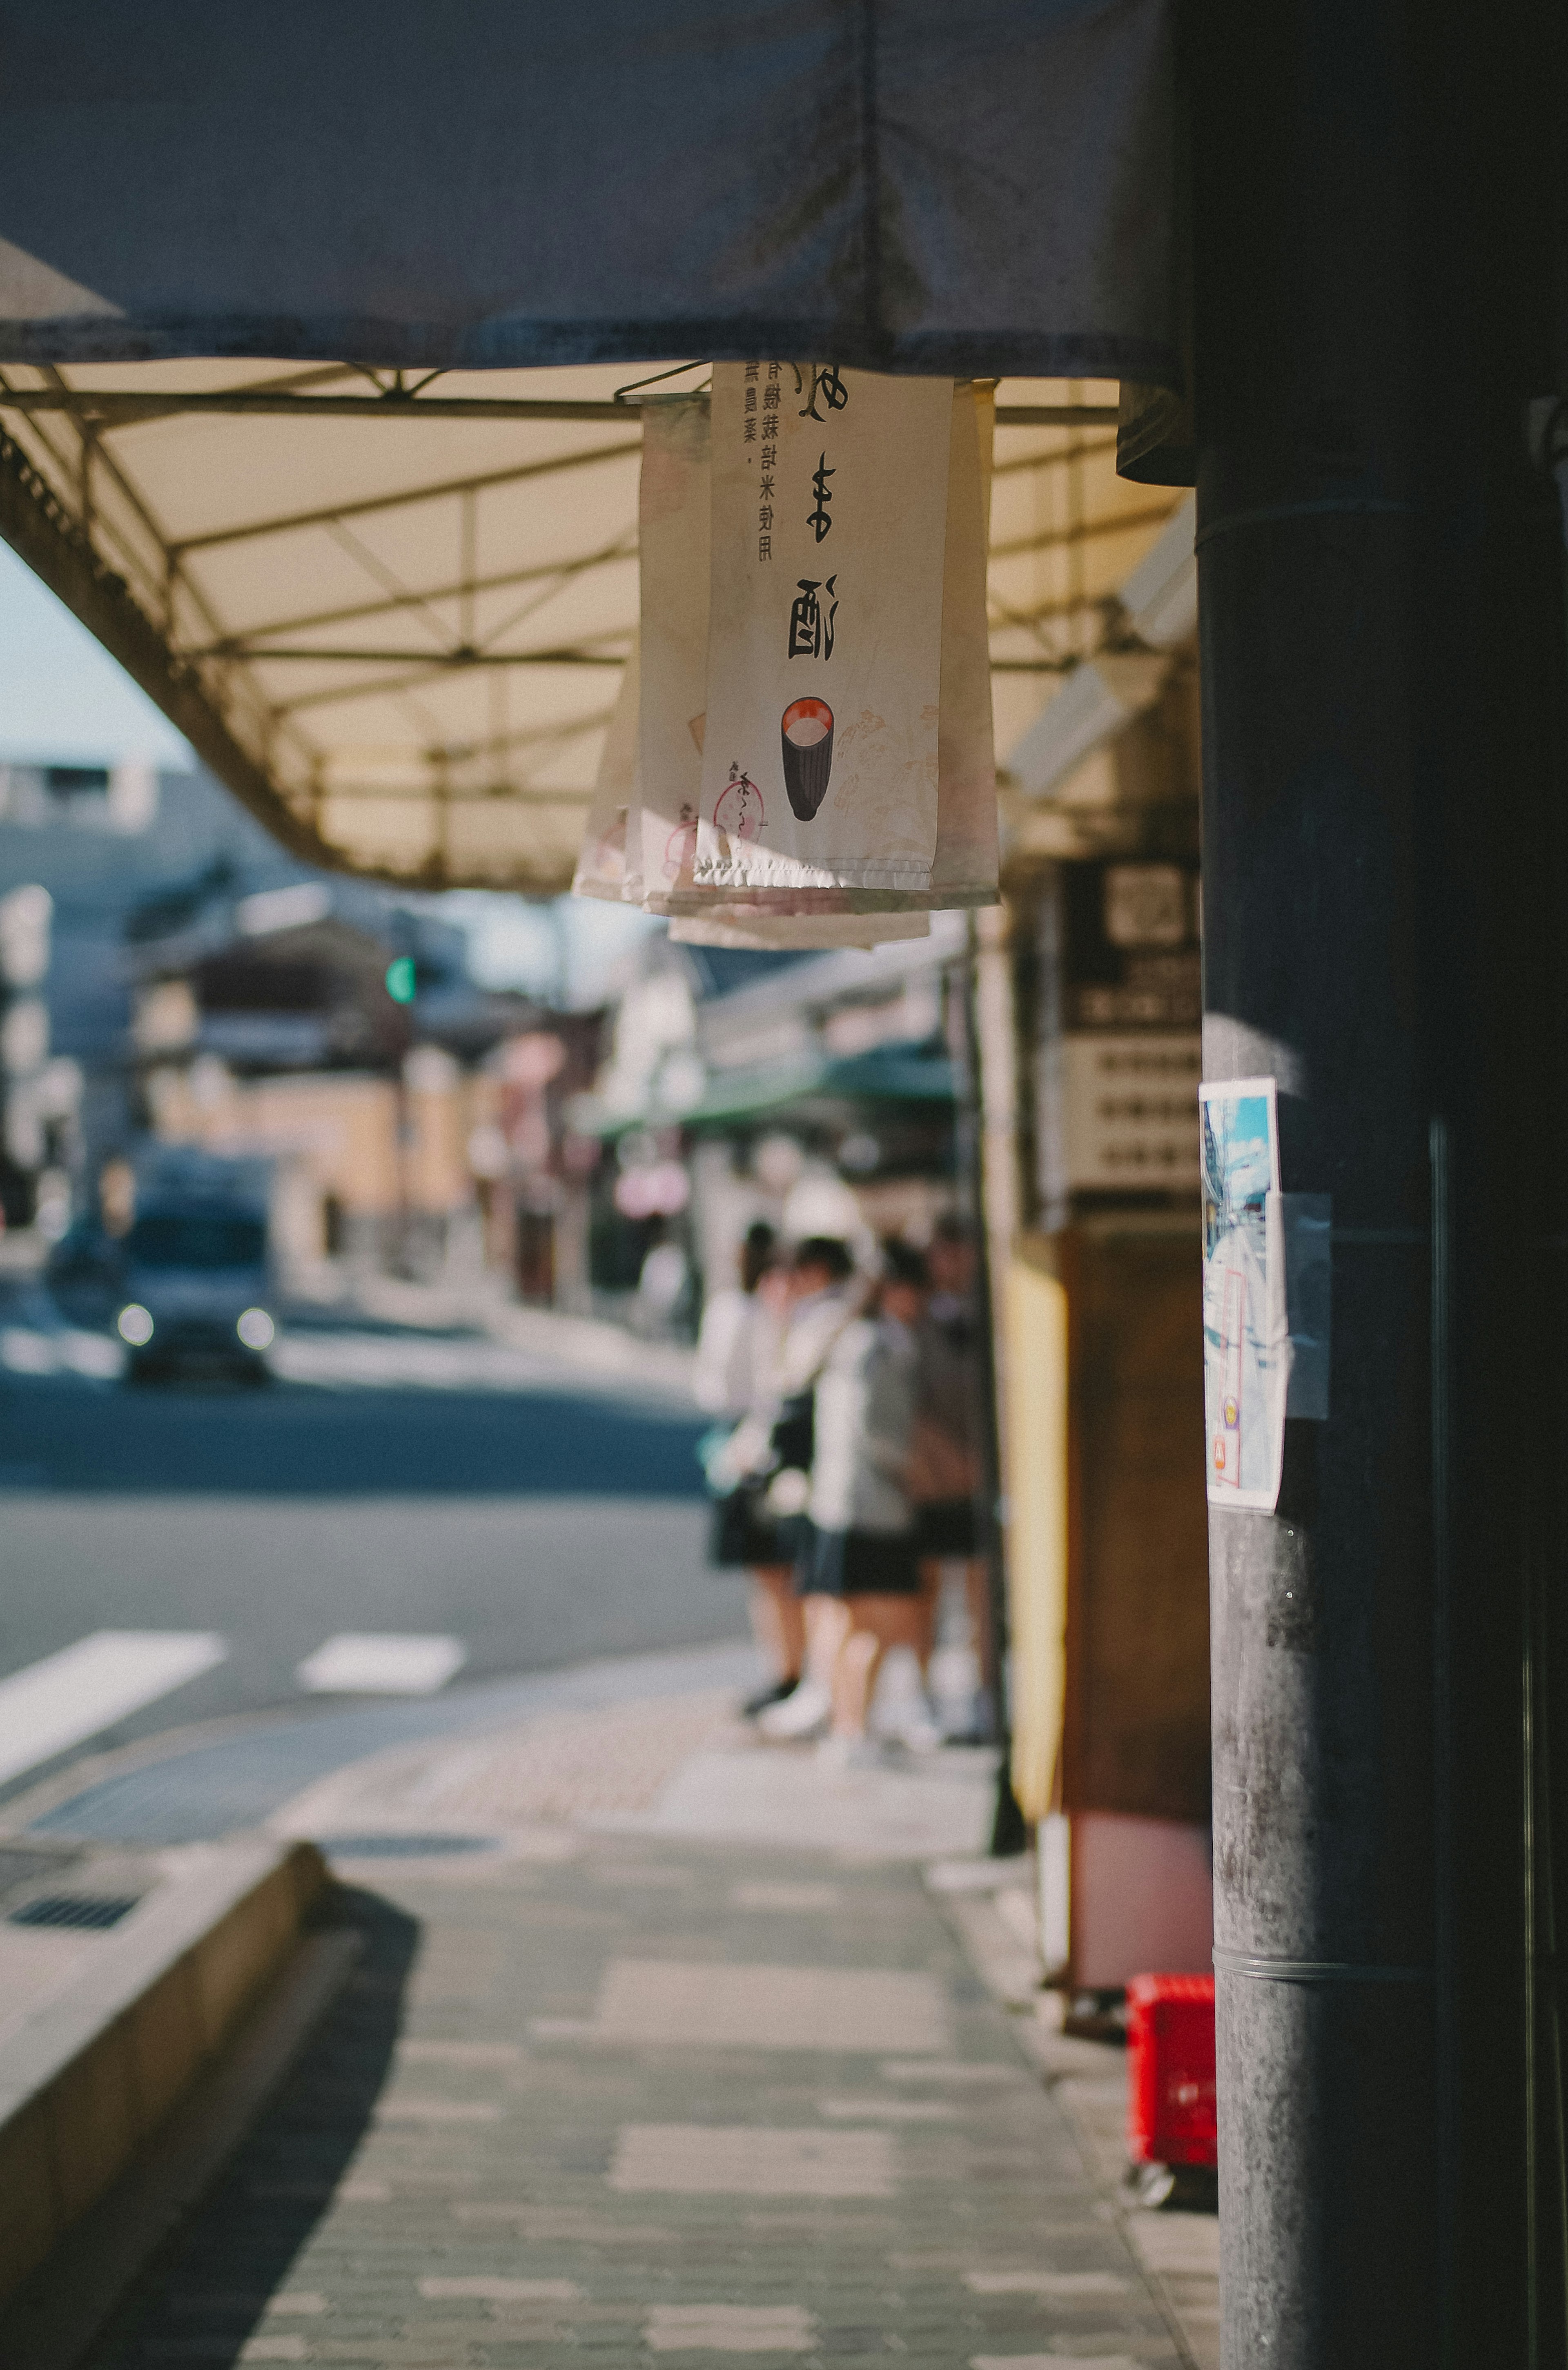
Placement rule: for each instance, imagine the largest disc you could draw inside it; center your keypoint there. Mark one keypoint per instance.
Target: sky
(568, 951)
(1250, 1119)
(63, 701)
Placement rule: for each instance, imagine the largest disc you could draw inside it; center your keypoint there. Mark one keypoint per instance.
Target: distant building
(105, 841)
(200, 986)
(815, 1091)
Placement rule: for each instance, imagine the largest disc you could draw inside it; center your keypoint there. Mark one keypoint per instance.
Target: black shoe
(779, 1692)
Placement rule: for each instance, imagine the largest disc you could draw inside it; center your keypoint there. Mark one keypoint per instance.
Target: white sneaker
(849, 1752)
(901, 1713)
(805, 1713)
(914, 1730)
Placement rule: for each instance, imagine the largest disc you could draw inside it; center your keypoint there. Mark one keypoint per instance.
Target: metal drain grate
(92, 1910)
(401, 1847)
(22, 1865)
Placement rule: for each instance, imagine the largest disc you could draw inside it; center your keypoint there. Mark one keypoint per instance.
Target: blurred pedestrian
(736, 1354)
(824, 1303)
(662, 1286)
(949, 1450)
(858, 1568)
(735, 1340)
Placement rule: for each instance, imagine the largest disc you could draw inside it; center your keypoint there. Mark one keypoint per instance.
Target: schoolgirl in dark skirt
(857, 1565)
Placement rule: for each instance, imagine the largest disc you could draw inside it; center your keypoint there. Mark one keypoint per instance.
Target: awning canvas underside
(396, 631)
(399, 640)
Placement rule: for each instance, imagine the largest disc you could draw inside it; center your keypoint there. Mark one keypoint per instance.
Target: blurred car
(193, 1286)
(83, 1274)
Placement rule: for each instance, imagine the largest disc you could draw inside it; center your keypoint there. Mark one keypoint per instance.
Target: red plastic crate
(1171, 2106)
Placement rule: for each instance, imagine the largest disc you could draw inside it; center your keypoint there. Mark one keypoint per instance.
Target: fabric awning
(888, 1073)
(390, 610)
(900, 184)
(397, 638)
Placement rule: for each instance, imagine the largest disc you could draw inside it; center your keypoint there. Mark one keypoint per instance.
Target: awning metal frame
(132, 584)
(123, 408)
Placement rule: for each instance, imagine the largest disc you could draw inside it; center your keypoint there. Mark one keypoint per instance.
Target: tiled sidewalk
(651, 2095)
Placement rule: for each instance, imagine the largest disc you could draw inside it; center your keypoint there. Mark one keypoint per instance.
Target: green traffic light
(400, 980)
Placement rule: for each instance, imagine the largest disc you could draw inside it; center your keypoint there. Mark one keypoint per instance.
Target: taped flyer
(1244, 1363)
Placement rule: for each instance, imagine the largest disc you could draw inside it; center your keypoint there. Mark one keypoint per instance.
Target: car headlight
(255, 1330)
(134, 1324)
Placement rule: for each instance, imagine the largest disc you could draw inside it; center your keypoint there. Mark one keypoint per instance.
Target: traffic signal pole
(1386, 908)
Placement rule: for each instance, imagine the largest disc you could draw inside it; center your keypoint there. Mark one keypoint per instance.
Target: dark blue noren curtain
(925, 185)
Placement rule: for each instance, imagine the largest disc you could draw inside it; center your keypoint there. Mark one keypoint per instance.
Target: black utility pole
(1009, 1830)
(1386, 913)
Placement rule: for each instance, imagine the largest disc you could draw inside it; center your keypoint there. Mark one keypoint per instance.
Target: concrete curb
(87, 2079)
(54, 2320)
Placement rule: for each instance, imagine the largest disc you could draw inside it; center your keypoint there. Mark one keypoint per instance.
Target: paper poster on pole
(829, 508)
(1243, 1369)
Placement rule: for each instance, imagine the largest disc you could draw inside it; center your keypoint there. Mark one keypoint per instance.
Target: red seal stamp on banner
(680, 848)
(739, 809)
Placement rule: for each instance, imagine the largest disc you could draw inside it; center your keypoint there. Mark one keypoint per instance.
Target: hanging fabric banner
(862, 814)
(602, 865)
(964, 869)
(743, 926)
(673, 514)
(824, 642)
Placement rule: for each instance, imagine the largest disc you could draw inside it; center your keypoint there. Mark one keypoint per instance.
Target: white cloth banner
(906, 821)
(602, 865)
(964, 868)
(673, 514)
(963, 871)
(749, 926)
(825, 640)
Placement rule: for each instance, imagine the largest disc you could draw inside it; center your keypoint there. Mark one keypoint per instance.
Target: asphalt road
(534, 1525)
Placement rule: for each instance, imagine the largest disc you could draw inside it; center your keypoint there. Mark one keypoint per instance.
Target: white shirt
(724, 1378)
(782, 1367)
(813, 1326)
(865, 1420)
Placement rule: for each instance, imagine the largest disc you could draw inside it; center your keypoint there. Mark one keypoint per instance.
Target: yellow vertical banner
(1035, 1418)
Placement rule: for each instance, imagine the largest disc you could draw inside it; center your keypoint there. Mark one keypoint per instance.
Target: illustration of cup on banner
(807, 732)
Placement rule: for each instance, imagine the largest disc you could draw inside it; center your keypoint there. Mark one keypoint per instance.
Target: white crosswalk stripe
(64, 1351)
(348, 1361)
(52, 1705)
(360, 1663)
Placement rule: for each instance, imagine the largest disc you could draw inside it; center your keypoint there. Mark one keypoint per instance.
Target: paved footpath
(621, 2089)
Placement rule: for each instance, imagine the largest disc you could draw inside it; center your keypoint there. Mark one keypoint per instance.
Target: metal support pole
(1384, 877)
(1009, 1831)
